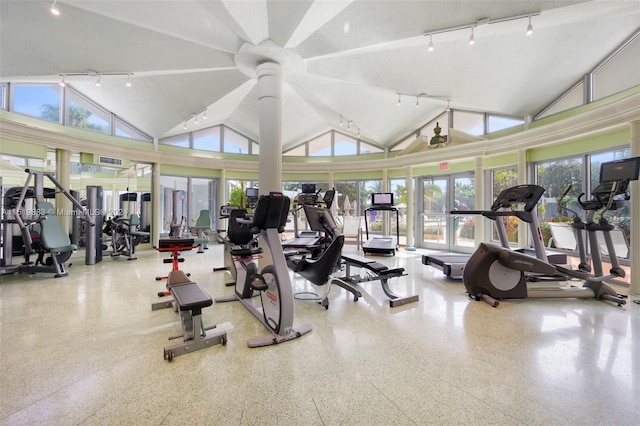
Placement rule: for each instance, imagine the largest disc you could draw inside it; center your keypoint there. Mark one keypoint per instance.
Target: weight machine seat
(53, 237)
(134, 223)
(201, 229)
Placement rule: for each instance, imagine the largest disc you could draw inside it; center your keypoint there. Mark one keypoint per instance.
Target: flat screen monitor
(252, 193)
(620, 170)
(308, 188)
(382, 199)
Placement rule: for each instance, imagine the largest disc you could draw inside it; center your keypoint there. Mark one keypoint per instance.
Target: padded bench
(190, 299)
(382, 274)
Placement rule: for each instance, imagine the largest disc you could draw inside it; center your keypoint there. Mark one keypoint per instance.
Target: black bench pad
(363, 262)
(191, 297)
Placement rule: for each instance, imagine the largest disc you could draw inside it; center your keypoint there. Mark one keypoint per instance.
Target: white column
(269, 95)
(156, 222)
(410, 209)
(634, 142)
(63, 176)
(479, 200)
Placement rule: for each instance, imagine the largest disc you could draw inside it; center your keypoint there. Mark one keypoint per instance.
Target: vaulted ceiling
(340, 58)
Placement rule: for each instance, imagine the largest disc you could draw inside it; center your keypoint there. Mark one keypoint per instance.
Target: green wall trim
(22, 149)
(241, 175)
(500, 160)
(613, 139)
(171, 170)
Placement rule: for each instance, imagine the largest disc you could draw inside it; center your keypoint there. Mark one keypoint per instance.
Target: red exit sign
(444, 166)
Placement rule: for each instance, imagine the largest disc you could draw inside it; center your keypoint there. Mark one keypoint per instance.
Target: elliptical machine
(273, 284)
(494, 272)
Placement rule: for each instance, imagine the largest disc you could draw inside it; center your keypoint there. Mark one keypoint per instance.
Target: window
(399, 189)
(320, 146)
(255, 148)
(236, 190)
(618, 73)
(41, 101)
(366, 148)
(502, 179)
(207, 139)
(299, 151)
(126, 130)
(556, 176)
(404, 142)
(469, 122)
(84, 114)
(498, 122)
(234, 142)
(173, 199)
(572, 98)
(344, 145)
(177, 140)
(3, 96)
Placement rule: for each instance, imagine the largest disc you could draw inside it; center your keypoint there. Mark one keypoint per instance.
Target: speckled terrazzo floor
(87, 349)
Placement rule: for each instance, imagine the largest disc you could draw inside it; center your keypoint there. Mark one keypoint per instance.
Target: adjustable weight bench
(190, 299)
(380, 273)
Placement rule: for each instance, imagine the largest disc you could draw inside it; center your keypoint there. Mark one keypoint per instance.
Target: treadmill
(452, 265)
(381, 244)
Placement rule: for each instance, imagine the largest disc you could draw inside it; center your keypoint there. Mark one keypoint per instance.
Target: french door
(437, 228)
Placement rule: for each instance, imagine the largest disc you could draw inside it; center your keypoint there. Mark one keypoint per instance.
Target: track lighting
(195, 117)
(421, 95)
(480, 22)
(351, 126)
(94, 74)
(54, 8)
